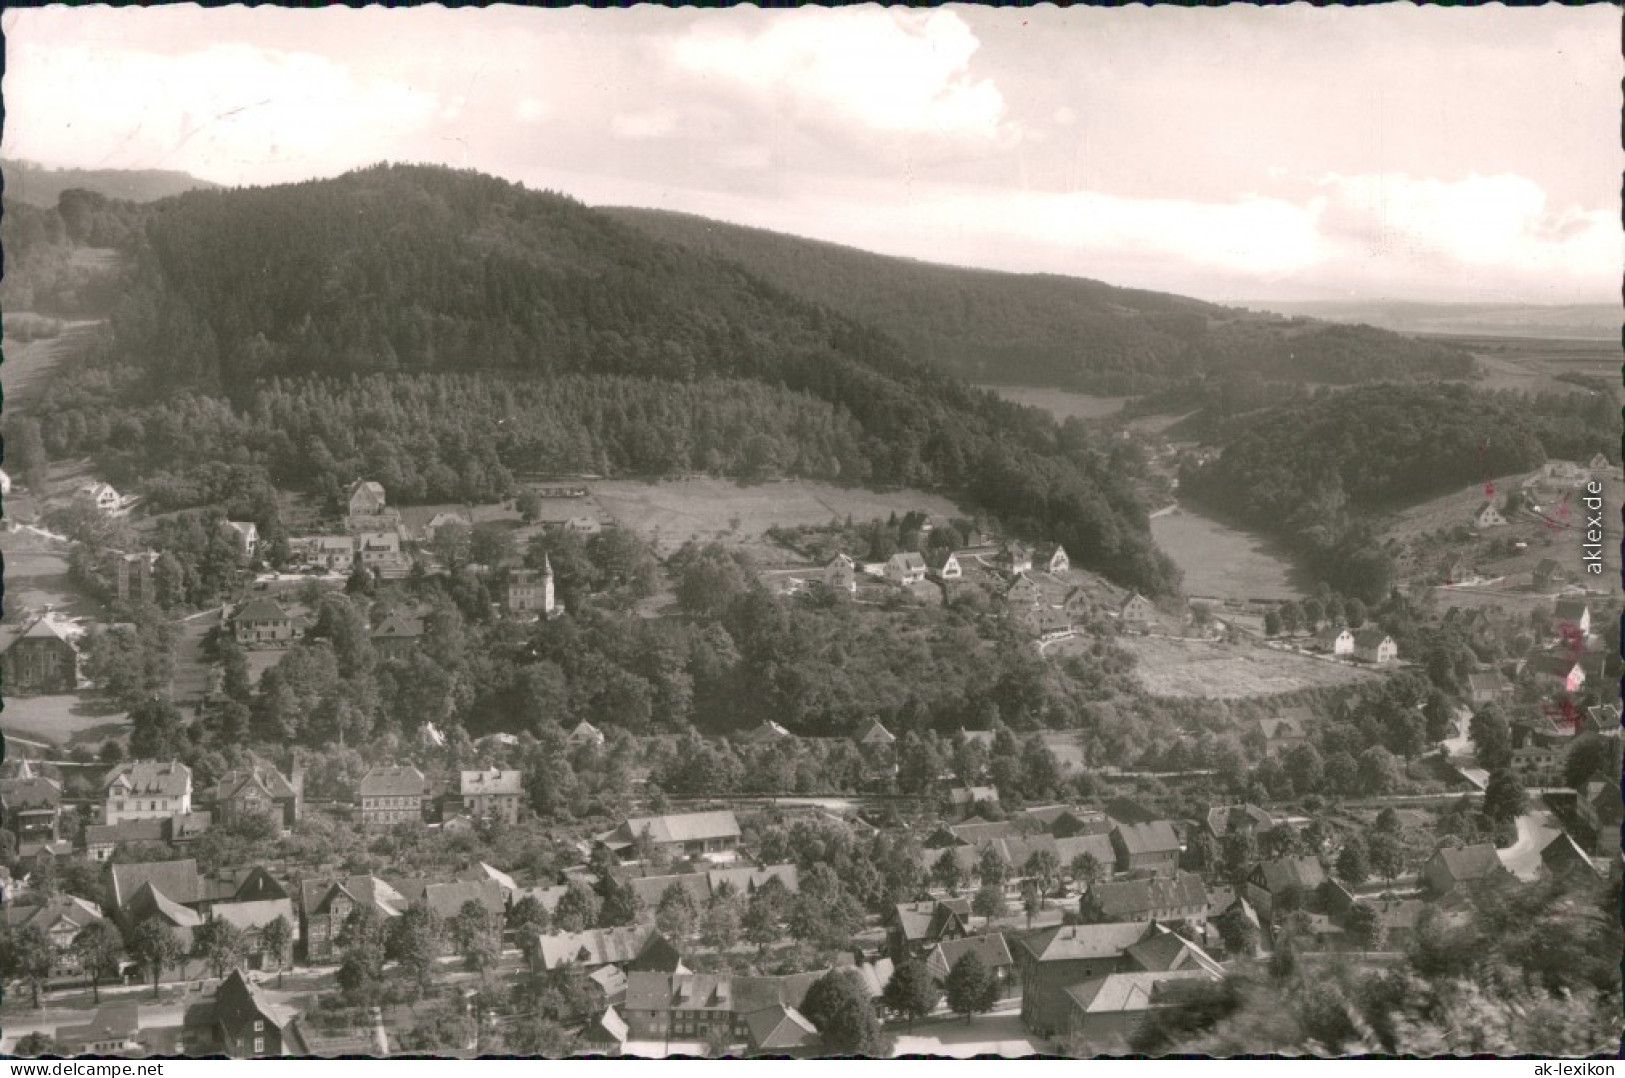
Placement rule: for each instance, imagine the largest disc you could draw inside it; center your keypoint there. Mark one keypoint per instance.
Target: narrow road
(1535, 830)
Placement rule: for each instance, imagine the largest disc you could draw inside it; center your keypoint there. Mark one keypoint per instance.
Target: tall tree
(276, 940)
(26, 955)
(971, 987)
(912, 992)
(839, 1007)
(155, 946)
(99, 949)
(220, 944)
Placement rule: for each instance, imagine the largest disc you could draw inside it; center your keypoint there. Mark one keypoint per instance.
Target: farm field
(717, 509)
(62, 720)
(1196, 668)
(28, 361)
(1222, 561)
(1063, 404)
(1534, 364)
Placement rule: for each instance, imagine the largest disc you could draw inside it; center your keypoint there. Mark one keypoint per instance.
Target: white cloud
(1478, 222)
(287, 112)
(530, 110)
(890, 70)
(650, 124)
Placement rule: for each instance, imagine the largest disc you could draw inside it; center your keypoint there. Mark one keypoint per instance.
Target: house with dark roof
(1136, 610)
(148, 903)
(760, 1013)
(1146, 847)
(325, 904)
(251, 918)
(906, 568)
(1284, 883)
(179, 880)
(1335, 640)
(397, 636)
(1562, 858)
(1053, 960)
(1375, 646)
(1571, 615)
(1487, 687)
(1106, 1012)
(968, 797)
(366, 499)
(1449, 869)
(391, 795)
(114, 1029)
(248, 1025)
(33, 811)
(767, 733)
(260, 790)
(942, 957)
(1284, 731)
(1547, 574)
(1558, 670)
(101, 840)
(60, 917)
(585, 733)
(44, 659)
(1051, 557)
(943, 565)
(261, 623)
(242, 534)
(870, 732)
(1180, 897)
(913, 928)
(689, 834)
(841, 574)
(1222, 819)
(628, 948)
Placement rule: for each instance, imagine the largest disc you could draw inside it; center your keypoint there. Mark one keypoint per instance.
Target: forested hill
(386, 290)
(1316, 471)
(39, 186)
(1040, 329)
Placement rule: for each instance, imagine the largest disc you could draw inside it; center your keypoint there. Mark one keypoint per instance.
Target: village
(144, 916)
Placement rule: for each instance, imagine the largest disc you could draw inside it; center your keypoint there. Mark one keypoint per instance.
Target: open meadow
(1222, 561)
(1203, 669)
(1063, 404)
(718, 509)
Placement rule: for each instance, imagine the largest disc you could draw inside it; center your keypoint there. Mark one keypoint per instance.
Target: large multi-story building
(42, 660)
(146, 790)
(531, 591)
(392, 795)
(492, 795)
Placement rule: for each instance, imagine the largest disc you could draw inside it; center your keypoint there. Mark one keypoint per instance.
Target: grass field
(28, 361)
(1223, 561)
(1063, 404)
(718, 509)
(1192, 668)
(1534, 364)
(62, 720)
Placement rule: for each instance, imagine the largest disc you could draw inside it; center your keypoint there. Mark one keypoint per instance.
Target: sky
(1237, 153)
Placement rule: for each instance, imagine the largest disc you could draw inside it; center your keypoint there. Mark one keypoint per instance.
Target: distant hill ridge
(40, 186)
(1048, 330)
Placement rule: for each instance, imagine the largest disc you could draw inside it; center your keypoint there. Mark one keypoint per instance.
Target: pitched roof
(238, 1004)
(98, 834)
(116, 1021)
(271, 781)
(482, 871)
(928, 920)
(368, 485)
(872, 733)
(179, 880)
(1155, 836)
(399, 627)
(1470, 862)
(1571, 609)
(145, 778)
(1099, 845)
(495, 781)
(745, 880)
(594, 947)
(991, 949)
(780, 1027)
(609, 1027)
(254, 915)
(1328, 634)
(1564, 853)
(586, 731)
(973, 795)
(1487, 681)
(1125, 900)
(1070, 942)
(1128, 992)
(908, 560)
(1220, 818)
(20, 795)
(1370, 638)
(683, 827)
(651, 889)
(393, 781)
(448, 899)
(1284, 873)
(261, 610)
(1165, 950)
(1553, 664)
(57, 908)
(316, 895)
(148, 901)
(46, 627)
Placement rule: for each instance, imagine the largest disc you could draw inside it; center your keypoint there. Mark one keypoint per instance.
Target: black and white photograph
(870, 531)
